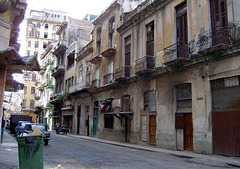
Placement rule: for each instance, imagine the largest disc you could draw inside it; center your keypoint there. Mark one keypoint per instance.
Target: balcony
(209, 41)
(96, 60)
(108, 78)
(50, 86)
(144, 64)
(95, 83)
(41, 86)
(178, 52)
(122, 73)
(109, 53)
(36, 96)
(42, 71)
(78, 87)
(54, 98)
(59, 70)
(60, 47)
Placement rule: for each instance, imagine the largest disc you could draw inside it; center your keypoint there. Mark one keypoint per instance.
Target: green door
(95, 123)
(95, 118)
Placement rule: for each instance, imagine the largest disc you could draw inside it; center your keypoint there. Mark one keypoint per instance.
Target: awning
(10, 59)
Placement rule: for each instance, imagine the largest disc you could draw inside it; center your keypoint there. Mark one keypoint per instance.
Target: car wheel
(66, 132)
(45, 142)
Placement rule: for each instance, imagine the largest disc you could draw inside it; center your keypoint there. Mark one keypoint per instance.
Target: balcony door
(182, 31)
(127, 55)
(219, 22)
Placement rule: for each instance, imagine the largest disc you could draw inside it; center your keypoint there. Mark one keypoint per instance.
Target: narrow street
(71, 152)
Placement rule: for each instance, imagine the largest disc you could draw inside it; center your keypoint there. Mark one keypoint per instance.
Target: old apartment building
(41, 32)
(73, 36)
(159, 72)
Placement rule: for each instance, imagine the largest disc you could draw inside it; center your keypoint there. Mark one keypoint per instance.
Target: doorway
(78, 119)
(152, 129)
(188, 132)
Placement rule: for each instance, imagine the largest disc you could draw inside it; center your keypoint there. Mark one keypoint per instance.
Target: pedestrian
(2, 129)
(70, 127)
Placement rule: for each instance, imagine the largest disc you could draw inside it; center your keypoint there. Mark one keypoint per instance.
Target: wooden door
(188, 132)
(226, 128)
(219, 22)
(152, 129)
(182, 31)
(150, 39)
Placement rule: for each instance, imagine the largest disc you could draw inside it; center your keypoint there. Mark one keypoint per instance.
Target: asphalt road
(69, 152)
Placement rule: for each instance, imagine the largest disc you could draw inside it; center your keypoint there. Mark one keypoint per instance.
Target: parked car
(20, 127)
(62, 128)
(29, 127)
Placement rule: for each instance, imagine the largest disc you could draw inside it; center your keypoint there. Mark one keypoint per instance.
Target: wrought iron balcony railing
(122, 72)
(58, 70)
(209, 39)
(144, 64)
(176, 52)
(108, 78)
(95, 83)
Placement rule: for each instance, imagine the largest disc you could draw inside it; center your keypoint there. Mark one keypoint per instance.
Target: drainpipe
(5, 5)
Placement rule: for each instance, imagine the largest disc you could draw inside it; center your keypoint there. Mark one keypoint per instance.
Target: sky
(75, 8)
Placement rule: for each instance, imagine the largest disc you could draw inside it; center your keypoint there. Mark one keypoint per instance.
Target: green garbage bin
(30, 152)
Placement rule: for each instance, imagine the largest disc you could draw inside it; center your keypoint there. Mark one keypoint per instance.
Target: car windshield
(41, 127)
(24, 123)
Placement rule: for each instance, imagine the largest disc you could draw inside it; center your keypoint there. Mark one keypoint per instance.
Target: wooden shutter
(179, 121)
(153, 101)
(144, 127)
(150, 39)
(182, 31)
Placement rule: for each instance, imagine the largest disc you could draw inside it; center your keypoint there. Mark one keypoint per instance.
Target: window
(54, 28)
(88, 75)
(36, 45)
(36, 53)
(32, 90)
(44, 45)
(70, 60)
(98, 49)
(79, 32)
(111, 27)
(46, 26)
(45, 35)
(24, 103)
(25, 89)
(150, 39)
(182, 30)
(110, 67)
(28, 52)
(184, 98)
(108, 121)
(150, 101)
(127, 43)
(54, 36)
(80, 74)
(29, 43)
(69, 82)
(32, 104)
(34, 77)
(37, 34)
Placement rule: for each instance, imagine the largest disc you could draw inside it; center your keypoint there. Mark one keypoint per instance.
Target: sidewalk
(198, 158)
(9, 152)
